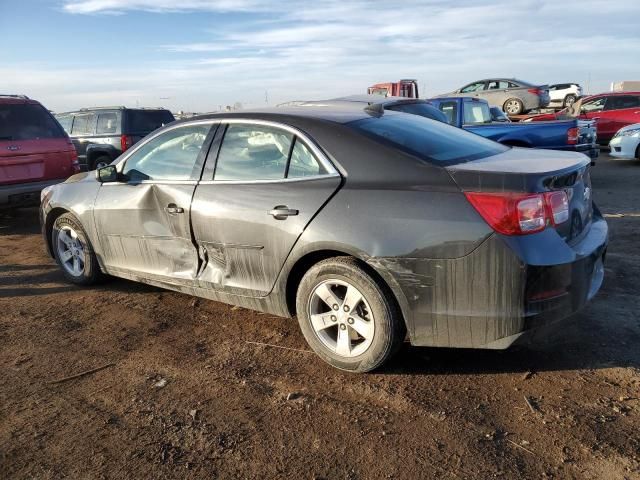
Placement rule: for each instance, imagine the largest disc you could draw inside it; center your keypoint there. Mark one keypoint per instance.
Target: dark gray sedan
(369, 226)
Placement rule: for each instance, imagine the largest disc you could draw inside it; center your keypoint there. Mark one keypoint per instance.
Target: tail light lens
(534, 91)
(125, 142)
(557, 206)
(572, 136)
(520, 214)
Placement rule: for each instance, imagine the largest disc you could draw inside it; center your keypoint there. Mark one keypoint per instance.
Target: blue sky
(198, 55)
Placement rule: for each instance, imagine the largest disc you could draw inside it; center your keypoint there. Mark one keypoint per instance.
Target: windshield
(146, 121)
(27, 121)
(429, 140)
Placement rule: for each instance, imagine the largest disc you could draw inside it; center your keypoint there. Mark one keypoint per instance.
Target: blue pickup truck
(474, 115)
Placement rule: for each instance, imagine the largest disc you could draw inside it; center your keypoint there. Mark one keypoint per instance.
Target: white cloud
(296, 49)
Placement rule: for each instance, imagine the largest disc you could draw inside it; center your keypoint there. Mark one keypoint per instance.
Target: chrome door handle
(172, 209)
(281, 212)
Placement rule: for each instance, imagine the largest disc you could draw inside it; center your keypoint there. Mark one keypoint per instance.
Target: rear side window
(622, 101)
(27, 121)
(146, 121)
(433, 142)
(303, 162)
(83, 124)
(253, 152)
(108, 123)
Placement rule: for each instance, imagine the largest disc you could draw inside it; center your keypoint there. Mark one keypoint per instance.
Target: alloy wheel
(71, 251)
(341, 318)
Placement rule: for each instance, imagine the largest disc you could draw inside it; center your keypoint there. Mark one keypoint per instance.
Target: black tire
(513, 106)
(102, 160)
(389, 329)
(638, 152)
(90, 272)
(569, 100)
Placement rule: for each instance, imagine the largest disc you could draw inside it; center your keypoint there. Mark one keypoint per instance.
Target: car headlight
(629, 133)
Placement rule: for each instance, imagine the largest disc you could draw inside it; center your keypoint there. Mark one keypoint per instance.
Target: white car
(564, 94)
(626, 142)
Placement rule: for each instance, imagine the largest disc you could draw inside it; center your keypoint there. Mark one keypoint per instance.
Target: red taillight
(572, 136)
(520, 214)
(125, 142)
(534, 91)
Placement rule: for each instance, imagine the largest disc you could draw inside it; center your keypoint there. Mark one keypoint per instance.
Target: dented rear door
(269, 183)
(143, 222)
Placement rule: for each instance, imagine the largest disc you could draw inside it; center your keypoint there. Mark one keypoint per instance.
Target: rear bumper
(505, 288)
(24, 194)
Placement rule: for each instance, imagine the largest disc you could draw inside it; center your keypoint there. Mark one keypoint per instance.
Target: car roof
(609, 94)
(328, 112)
(117, 107)
(20, 99)
(514, 80)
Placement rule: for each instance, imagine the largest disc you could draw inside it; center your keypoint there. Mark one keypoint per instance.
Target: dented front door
(143, 221)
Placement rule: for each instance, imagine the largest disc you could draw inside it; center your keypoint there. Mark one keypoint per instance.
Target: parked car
(611, 111)
(367, 225)
(101, 134)
(626, 142)
(513, 96)
(35, 152)
(564, 94)
(474, 115)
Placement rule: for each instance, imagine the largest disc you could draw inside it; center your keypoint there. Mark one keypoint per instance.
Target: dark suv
(101, 134)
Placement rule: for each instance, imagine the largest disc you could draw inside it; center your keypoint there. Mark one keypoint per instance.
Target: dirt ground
(187, 395)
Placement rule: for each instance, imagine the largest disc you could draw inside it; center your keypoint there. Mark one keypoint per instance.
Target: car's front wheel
(73, 252)
(348, 318)
(513, 106)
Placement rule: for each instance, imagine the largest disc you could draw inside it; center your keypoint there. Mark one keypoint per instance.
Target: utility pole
(266, 97)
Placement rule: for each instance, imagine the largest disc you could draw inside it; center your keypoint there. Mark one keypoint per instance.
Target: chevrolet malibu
(370, 226)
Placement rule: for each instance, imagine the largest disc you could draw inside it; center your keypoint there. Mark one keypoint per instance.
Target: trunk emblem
(587, 193)
(13, 148)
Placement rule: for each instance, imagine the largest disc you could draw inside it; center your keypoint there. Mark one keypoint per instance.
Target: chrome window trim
(154, 182)
(319, 154)
(272, 180)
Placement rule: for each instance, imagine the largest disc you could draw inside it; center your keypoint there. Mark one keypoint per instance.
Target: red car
(35, 151)
(611, 111)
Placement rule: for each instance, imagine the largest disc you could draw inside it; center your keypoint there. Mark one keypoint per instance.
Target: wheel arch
(51, 217)
(311, 258)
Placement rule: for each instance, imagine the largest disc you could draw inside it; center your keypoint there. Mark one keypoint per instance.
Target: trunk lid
(523, 170)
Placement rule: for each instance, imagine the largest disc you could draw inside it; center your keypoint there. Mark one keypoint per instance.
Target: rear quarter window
(27, 121)
(428, 140)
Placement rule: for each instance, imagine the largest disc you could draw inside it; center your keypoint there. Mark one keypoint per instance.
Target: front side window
(476, 112)
(107, 123)
(450, 109)
(65, 122)
(474, 87)
(27, 121)
(253, 152)
(171, 155)
(595, 105)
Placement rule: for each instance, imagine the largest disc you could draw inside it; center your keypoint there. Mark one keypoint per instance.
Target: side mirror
(107, 174)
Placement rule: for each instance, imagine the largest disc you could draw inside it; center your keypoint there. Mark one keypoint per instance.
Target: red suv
(34, 151)
(611, 111)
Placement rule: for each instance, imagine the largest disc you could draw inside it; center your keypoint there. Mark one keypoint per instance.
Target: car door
(262, 185)
(591, 109)
(619, 111)
(143, 221)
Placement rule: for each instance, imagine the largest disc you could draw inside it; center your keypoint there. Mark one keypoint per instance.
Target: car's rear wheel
(513, 106)
(569, 100)
(73, 252)
(348, 318)
(100, 162)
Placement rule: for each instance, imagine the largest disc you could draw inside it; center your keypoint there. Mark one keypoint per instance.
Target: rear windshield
(146, 121)
(432, 141)
(27, 121)
(422, 109)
